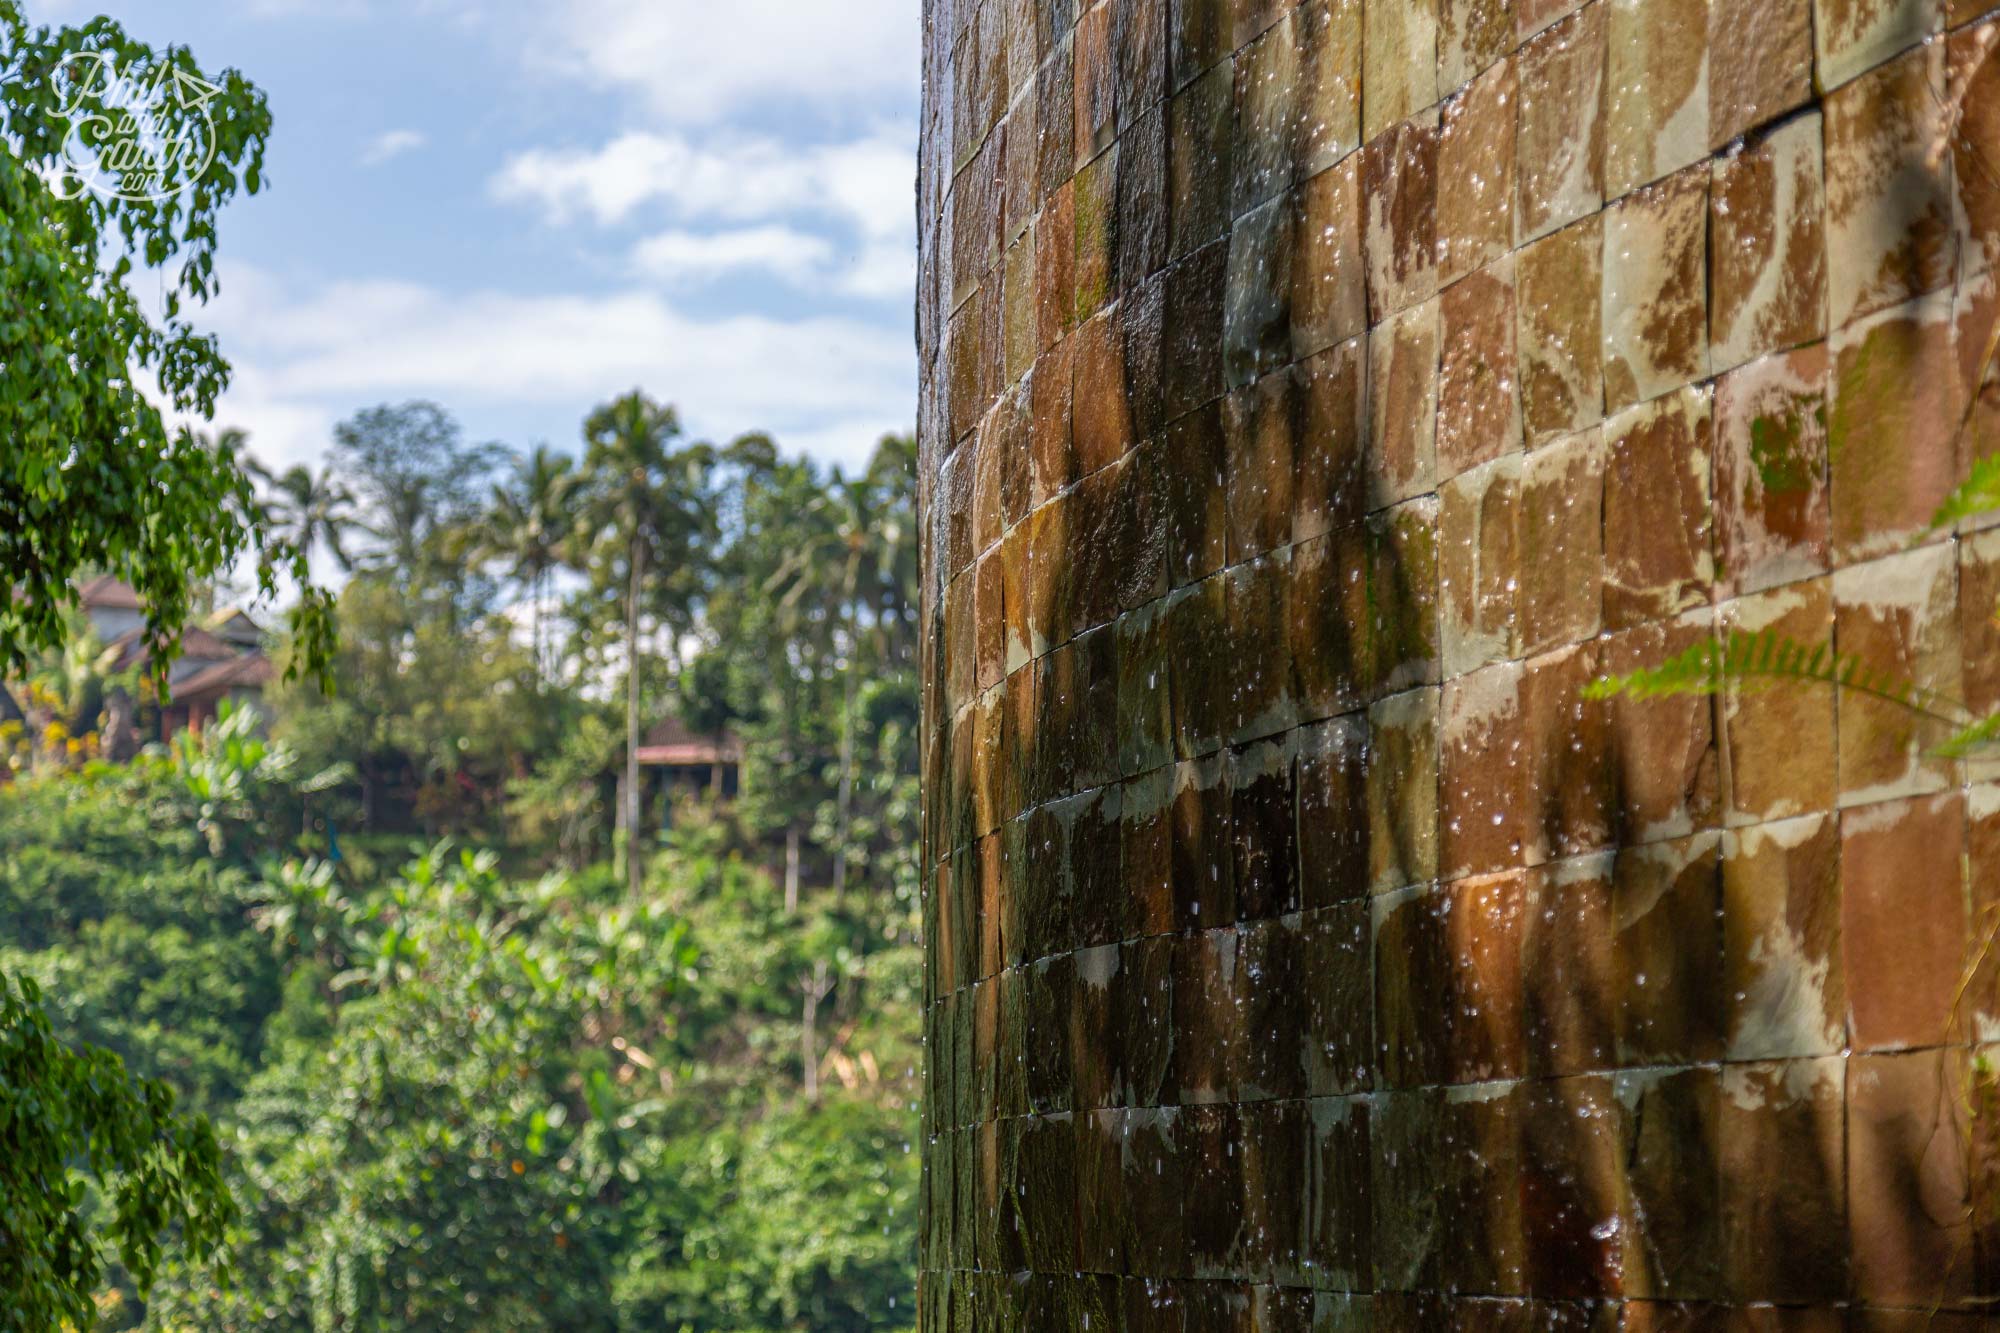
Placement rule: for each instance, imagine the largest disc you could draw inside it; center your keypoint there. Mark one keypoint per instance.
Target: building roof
(669, 743)
(112, 594)
(236, 625)
(197, 645)
(252, 671)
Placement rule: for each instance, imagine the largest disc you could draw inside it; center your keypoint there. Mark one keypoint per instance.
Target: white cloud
(307, 358)
(686, 257)
(845, 207)
(700, 61)
(392, 144)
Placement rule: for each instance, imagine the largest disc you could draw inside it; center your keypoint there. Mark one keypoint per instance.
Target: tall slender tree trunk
(634, 869)
(845, 801)
(816, 988)
(792, 870)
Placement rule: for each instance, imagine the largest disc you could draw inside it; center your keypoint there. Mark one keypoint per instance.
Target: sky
(522, 208)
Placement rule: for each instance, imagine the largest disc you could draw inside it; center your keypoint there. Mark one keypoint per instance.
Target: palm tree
(531, 525)
(310, 511)
(856, 557)
(648, 510)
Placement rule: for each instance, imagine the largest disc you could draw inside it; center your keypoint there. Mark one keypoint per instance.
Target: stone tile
(1569, 967)
(1664, 749)
(1196, 496)
(989, 621)
(1051, 436)
(1209, 1056)
(1896, 617)
(1327, 617)
(1475, 174)
(1269, 980)
(1907, 1185)
(1413, 982)
(1779, 755)
(1657, 557)
(1264, 833)
(1143, 221)
(1097, 233)
(1978, 630)
(1562, 542)
(1784, 1181)
(1484, 1017)
(1479, 566)
(1976, 341)
(1483, 1202)
(1655, 293)
(1892, 427)
(1781, 911)
(1147, 1018)
(1267, 116)
(1213, 1203)
(1196, 292)
(1329, 273)
(1479, 402)
(1767, 280)
(1852, 37)
(1329, 37)
(1671, 1132)
(1399, 199)
(1972, 75)
(1055, 266)
(1472, 35)
(1402, 782)
(1338, 1239)
(1402, 405)
(1558, 282)
(1200, 157)
(1399, 46)
(1576, 1206)
(1759, 64)
(1771, 504)
(1656, 90)
(1559, 171)
(1903, 919)
(1889, 230)
(1198, 35)
(1403, 622)
(1333, 811)
(1257, 319)
(1139, 57)
(1330, 453)
(1667, 899)
(1198, 625)
(1339, 1008)
(1484, 772)
(1096, 84)
(1101, 420)
(1020, 324)
(1258, 694)
(1260, 425)
(1572, 799)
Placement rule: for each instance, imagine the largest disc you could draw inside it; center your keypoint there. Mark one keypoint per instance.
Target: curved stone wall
(1317, 396)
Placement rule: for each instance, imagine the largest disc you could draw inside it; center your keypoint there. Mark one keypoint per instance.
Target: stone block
(1402, 405)
(1329, 269)
(1399, 199)
(1333, 760)
(1779, 753)
(1559, 156)
(1892, 427)
(1889, 234)
(1760, 63)
(1772, 512)
(1781, 928)
(1475, 171)
(1479, 399)
(1668, 902)
(1562, 542)
(1480, 565)
(1402, 783)
(1903, 919)
(1656, 90)
(1907, 1178)
(1784, 1181)
(1484, 772)
(1658, 559)
(1399, 45)
(1896, 618)
(1261, 426)
(1767, 242)
(1569, 967)
(1655, 289)
(1558, 297)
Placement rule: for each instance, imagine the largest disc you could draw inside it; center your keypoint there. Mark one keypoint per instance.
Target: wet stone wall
(1316, 397)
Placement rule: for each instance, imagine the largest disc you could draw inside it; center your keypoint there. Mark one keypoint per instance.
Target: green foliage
(92, 477)
(1978, 494)
(72, 1116)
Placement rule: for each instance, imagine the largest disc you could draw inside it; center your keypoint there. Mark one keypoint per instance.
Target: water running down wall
(1316, 397)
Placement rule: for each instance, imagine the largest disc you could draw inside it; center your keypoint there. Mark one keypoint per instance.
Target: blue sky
(519, 208)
